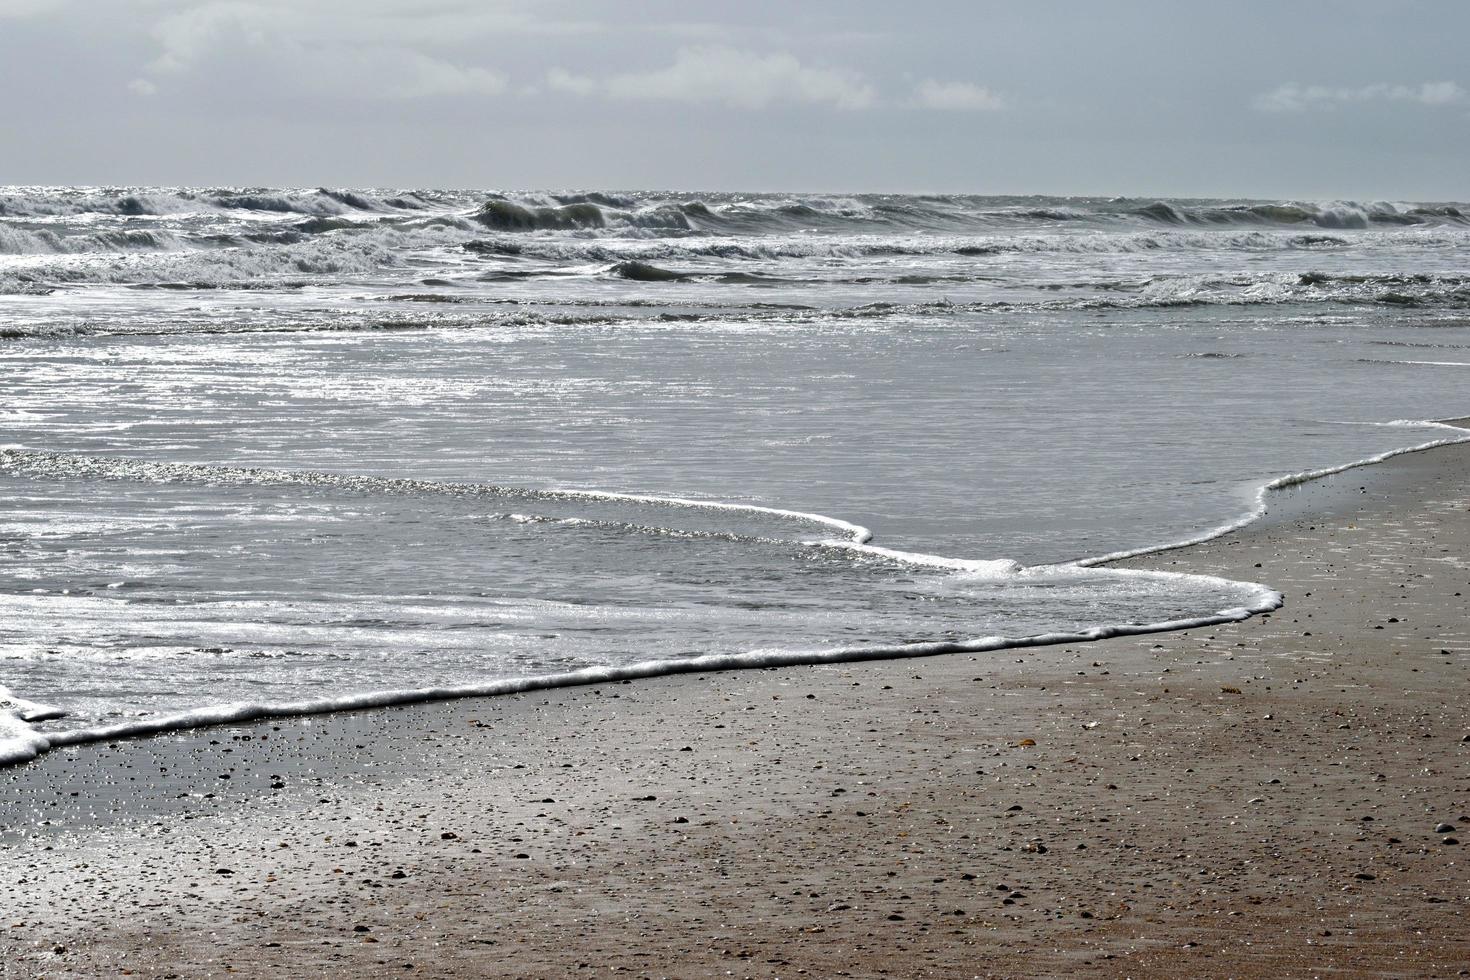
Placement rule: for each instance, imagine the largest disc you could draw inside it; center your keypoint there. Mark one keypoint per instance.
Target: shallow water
(292, 450)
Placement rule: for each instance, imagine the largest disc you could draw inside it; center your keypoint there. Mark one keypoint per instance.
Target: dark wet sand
(1257, 800)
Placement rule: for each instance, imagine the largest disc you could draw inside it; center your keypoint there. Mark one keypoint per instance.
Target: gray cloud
(28, 8)
(986, 95)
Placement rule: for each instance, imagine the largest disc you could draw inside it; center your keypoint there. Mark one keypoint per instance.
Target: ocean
(275, 451)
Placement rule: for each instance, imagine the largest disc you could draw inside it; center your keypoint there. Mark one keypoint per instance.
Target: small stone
(1445, 828)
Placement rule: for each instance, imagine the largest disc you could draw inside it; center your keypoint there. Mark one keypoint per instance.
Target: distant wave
(16, 240)
(641, 249)
(64, 239)
(726, 213)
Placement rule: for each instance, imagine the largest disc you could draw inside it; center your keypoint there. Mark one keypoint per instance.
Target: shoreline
(1257, 798)
(22, 745)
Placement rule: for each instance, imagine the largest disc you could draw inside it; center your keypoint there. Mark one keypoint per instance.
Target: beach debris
(1444, 828)
(1025, 743)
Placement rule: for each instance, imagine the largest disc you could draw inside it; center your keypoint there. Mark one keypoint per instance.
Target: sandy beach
(1280, 797)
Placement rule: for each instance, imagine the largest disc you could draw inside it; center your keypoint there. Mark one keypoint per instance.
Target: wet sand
(1259, 799)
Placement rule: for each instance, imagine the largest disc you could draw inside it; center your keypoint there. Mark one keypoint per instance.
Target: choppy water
(282, 446)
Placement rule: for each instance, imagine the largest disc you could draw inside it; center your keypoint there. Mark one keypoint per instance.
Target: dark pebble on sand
(1445, 828)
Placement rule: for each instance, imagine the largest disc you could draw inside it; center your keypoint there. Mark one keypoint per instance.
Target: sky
(1288, 98)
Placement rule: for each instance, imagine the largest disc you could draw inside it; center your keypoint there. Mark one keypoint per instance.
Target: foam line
(102, 467)
(988, 568)
(20, 745)
(1281, 483)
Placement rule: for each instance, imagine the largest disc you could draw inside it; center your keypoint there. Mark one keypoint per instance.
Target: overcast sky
(1269, 98)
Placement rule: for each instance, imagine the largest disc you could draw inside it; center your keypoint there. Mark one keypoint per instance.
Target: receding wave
(19, 740)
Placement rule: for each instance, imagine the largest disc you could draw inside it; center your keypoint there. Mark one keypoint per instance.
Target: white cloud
(561, 80)
(742, 79)
(1299, 98)
(372, 48)
(414, 75)
(142, 86)
(956, 96)
(1440, 93)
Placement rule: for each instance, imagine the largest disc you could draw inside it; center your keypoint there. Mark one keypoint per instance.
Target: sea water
(275, 450)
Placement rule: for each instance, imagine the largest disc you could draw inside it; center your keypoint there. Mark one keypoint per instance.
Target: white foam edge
(21, 745)
(976, 567)
(1280, 483)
